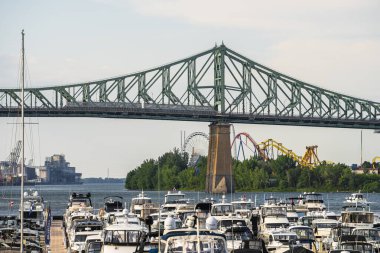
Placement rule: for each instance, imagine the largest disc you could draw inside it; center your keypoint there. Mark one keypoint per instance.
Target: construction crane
(13, 158)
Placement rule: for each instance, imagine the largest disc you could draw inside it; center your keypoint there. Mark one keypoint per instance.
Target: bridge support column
(219, 162)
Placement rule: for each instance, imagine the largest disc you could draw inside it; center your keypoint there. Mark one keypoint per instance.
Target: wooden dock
(57, 237)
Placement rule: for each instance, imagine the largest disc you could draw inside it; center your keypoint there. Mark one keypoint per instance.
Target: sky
(334, 44)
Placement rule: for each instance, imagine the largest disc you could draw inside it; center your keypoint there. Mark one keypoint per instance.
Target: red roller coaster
(258, 152)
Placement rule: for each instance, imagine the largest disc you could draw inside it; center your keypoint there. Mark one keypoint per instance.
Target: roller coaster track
(267, 150)
(239, 136)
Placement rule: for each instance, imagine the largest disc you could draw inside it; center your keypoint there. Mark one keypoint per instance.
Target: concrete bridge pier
(219, 162)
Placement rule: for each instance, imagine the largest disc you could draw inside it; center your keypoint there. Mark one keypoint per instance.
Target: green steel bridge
(217, 85)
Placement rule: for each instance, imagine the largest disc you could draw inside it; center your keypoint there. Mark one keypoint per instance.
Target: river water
(56, 196)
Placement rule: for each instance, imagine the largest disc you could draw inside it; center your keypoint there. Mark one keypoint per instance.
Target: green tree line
(282, 174)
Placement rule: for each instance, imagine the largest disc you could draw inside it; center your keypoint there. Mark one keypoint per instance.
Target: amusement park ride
(270, 148)
(196, 145)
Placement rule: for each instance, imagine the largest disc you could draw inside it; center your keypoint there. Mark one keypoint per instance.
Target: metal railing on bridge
(216, 85)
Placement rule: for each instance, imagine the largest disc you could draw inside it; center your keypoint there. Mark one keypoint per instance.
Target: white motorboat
(273, 217)
(281, 241)
(140, 203)
(372, 235)
(79, 201)
(222, 208)
(358, 216)
(34, 209)
(78, 242)
(174, 199)
(322, 227)
(313, 201)
(235, 229)
(243, 206)
(193, 240)
(113, 204)
(123, 238)
(333, 241)
(357, 197)
(305, 236)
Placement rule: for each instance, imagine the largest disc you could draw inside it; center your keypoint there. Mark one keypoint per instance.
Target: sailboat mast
(23, 146)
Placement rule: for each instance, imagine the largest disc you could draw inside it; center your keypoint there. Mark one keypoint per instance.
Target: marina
(257, 160)
(96, 215)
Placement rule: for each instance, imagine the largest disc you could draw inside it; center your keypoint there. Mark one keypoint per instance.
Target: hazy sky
(332, 44)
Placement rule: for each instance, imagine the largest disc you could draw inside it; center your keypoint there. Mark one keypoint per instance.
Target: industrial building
(58, 171)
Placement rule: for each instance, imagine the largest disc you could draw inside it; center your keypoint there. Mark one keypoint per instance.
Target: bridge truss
(216, 85)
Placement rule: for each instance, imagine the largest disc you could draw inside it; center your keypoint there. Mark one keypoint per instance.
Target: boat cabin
(193, 241)
(113, 204)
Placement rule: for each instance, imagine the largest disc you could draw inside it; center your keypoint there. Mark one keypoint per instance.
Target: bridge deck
(57, 237)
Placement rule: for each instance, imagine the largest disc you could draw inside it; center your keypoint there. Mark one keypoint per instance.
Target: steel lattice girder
(216, 85)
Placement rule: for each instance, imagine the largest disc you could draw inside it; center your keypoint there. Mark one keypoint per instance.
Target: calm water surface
(57, 196)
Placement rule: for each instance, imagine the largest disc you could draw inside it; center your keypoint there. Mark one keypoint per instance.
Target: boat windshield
(356, 217)
(274, 211)
(228, 223)
(94, 247)
(283, 238)
(277, 225)
(173, 199)
(80, 238)
(121, 237)
(325, 225)
(113, 206)
(243, 205)
(239, 236)
(304, 233)
(33, 214)
(362, 247)
(313, 198)
(80, 202)
(188, 245)
(222, 209)
(141, 201)
(369, 234)
(338, 232)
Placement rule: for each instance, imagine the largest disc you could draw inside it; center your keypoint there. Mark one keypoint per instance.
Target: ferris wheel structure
(195, 145)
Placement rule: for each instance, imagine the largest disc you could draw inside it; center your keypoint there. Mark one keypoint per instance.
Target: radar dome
(169, 223)
(211, 223)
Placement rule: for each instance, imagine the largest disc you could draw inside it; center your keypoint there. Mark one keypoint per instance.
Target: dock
(57, 237)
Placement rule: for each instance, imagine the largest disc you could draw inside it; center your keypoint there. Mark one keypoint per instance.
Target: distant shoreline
(100, 180)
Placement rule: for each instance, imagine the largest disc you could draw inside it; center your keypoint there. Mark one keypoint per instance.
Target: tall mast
(23, 146)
